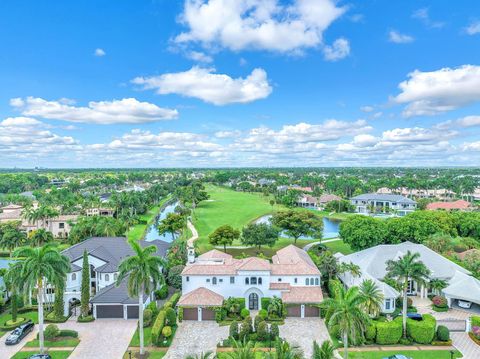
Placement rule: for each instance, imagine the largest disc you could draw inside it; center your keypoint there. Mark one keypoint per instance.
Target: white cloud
(367, 108)
(99, 52)
(423, 14)
(339, 50)
(199, 56)
(469, 121)
(127, 110)
(473, 28)
(399, 38)
(208, 86)
(21, 122)
(431, 93)
(258, 24)
(228, 134)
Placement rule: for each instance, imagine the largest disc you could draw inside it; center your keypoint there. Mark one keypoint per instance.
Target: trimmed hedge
(265, 302)
(158, 327)
(475, 321)
(422, 331)
(174, 299)
(68, 333)
(443, 334)
(389, 332)
(87, 319)
(371, 332)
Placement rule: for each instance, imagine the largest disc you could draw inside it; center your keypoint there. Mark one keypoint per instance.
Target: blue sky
(239, 83)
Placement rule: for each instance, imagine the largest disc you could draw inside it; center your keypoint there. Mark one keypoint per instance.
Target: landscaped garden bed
(60, 354)
(55, 337)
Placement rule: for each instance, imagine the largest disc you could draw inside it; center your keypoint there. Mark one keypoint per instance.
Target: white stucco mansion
(364, 203)
(214, 276)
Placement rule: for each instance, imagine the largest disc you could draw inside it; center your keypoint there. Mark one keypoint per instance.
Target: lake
(331, 227)
(152, 232)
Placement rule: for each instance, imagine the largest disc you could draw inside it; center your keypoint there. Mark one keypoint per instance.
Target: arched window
(312, 281)
(317, 281)
(307, 281)
(107, 278)
(259, 280)
(74, 276)
(214, 280)
(247, 281)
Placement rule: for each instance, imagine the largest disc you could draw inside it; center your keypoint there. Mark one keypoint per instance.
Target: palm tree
(347, 313)
(325, 351)
(437, 285)
(14, 286)
(144, 273)
(241, 350)
(12, 239)
(372, 296)
(41, 237)
(283, 350)
(206, 355)
(406, 268)
(41, 266)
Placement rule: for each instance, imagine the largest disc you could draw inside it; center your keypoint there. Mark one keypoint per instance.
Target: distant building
(301, 189)
(97, 211)
(326, 198)
(374, 202)
(265, 182)
(459, 205)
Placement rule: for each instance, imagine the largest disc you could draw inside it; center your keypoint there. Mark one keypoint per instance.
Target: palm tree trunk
(405, 310)
(40, 316)
(345, 345)
(140, 319)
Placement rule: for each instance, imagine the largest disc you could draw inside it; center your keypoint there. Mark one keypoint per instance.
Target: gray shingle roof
(113, 294)
(383, 197)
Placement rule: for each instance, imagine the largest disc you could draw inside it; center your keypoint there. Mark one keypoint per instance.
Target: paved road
(195, 337)
(310, 245)
(7, 351)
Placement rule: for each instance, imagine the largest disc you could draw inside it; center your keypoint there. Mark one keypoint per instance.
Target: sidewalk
(194, 236)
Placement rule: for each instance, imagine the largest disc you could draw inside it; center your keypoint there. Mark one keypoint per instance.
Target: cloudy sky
(214, 83)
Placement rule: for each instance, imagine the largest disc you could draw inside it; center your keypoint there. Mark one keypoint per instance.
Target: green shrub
(244, 330)
(180, 314)
(333, 285)
(439, 301)
(52, 318)
(153, 307)
(174, 299)
(265, 302)
(157, 327)
(87, 319)
(274, 331)
(233, 330)
(475, 321)
(371, 332)
(262, 331)
(263, 314)
(244, 313)
(422, 331)
(220, 314)
(256, 321)
(389, 332)
(147, 318)
(443, 334)
(170, 316)
(167, 331)
(440, 309)
(51, 332)
(405, 341)
(335, 331)
(162, 293)
(68, 333)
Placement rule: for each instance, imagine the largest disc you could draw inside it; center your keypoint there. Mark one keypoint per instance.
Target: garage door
(132, 311)
(208, 314)
(190, 314)
(109, 311)
(294, 311)
(312, 311)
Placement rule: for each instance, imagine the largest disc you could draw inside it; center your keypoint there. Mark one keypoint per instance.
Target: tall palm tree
(437, 285)
(283, 350)
(144, 273)
(40, 266)
(372, 296)
(12, 239)
(241, 350)
(348, 314)
(408, 267)
(14, 286)
(325, 351)
(41, 237)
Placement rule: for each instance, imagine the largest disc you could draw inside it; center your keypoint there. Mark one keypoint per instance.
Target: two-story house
(377, 202)
(104, 256)
(214, 276)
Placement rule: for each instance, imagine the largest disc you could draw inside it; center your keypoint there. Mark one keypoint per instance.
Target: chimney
(191, 254)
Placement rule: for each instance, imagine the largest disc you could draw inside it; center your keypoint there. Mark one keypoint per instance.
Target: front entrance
(253, 301)
(411, 288)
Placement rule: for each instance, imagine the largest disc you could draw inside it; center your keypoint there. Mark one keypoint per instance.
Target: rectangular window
(387, 304)
(295, 281)
(220, 280)
(253, 280)
(232, 280)
(208, 280)
(61, 225)
(188, 279)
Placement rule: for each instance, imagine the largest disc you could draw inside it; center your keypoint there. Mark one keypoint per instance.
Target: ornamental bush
(274, 331)
(244, 330)
(171, 316)
(233, 330)
(257, 320)
(443, 334)
(389, 332)
(167, 331)
(244, 313)
(422, 331)
(157, 327)
(439, 301)
(180, 314)
(147, 318)
(371, 332)
(476, 321)
(262, 331)
(476, 332)
(263, 314)
(162, 293)
(51, 332)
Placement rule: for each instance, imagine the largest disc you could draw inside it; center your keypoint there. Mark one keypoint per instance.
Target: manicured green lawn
(339, 246)
(64, 342)
(414, 354)
(53, 354)
(138, 230)
(33, 315)
(151, 355)
(147, 337)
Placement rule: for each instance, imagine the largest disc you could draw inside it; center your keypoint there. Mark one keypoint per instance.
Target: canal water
(152, 232)
(331, 227)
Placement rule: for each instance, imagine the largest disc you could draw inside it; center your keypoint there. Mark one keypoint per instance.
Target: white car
(464, 304)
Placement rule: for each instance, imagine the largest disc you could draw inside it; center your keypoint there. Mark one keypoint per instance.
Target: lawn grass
(414, 354)
(151, 355)
(53, 354)
(137, 231)
(61, 342)
(339, 246)
(147, 337)
(32, 315)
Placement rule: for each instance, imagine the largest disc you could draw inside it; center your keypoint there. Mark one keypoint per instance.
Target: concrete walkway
(310, 245)
(194, 236)
(465, 345)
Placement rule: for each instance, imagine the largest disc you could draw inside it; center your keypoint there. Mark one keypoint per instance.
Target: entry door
(411, 287)
(253, 301)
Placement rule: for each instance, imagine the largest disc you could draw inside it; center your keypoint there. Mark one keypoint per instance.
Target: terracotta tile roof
(325, 198)
(460, 204)
(303, 295)
(11, 207)
(254, 263)
(11, 215)
(214, 254)
(200, 297)
(279, 286)
(292, 260)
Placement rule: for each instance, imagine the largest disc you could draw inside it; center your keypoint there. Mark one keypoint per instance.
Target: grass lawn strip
(414, 354)
(53, 354)
(63, 342)
(153, 353)
(147, 337)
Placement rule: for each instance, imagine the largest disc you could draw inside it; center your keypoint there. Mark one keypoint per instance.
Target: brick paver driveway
(467, 347)
(196, 337)
(103, 338)
(7, 351)
(303, 331)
